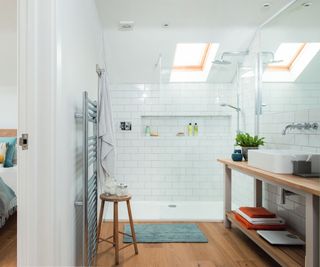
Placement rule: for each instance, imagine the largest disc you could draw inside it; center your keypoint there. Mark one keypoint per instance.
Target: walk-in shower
(172, 174)
(223, 61)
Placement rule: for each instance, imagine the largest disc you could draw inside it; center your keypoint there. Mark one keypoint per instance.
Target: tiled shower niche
(166, 126)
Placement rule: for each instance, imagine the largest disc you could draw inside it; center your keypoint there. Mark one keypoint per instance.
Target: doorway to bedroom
(8, 132)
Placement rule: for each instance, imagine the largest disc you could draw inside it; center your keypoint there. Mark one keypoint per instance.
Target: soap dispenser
(195, 129)
(190, 129)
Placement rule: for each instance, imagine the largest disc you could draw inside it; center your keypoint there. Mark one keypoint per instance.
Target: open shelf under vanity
(285, 255)
(291, 255)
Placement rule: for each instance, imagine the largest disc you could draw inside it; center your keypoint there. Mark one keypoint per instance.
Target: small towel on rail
(106, 132)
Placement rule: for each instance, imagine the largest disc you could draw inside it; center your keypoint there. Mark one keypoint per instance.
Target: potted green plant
(246, 141)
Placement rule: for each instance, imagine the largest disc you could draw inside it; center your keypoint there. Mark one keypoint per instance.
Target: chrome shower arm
(234, 53)
(230, 106)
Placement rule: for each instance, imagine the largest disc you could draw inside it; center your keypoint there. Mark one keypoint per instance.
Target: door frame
(36, 116)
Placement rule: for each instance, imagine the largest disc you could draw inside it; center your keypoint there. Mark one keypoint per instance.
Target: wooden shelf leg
(257, 193)
(227, 195)
(312, 230)
(116, 231)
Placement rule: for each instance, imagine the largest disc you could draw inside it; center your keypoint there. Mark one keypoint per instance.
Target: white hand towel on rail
(106, 133)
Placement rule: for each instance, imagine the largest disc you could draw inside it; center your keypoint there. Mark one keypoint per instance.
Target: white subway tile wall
(272, 124)
(168, 167)
(282, 97)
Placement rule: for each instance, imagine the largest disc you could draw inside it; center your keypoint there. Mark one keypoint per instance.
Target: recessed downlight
(126, 25)
(165, 25)
(307, 4)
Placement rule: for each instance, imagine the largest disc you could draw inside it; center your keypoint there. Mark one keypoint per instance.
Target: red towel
(258, 212)
(259, 226)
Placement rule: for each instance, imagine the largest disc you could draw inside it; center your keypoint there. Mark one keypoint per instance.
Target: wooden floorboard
(226, 248)
(8, 243)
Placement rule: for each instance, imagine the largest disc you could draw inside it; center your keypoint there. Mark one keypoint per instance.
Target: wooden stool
(115, 199)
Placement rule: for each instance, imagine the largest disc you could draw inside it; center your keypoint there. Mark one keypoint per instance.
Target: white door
(36, 83)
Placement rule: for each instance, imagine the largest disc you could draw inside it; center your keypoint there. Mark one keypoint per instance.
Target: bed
(9, 176)
(8, 184)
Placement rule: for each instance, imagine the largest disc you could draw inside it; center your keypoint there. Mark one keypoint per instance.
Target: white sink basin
(280, 161)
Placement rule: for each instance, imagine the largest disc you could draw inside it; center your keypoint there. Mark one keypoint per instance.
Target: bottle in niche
(147, 131)
(195, 129)
(190, 129)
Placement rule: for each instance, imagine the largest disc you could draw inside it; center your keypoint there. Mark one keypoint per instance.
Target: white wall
(8, 107)
(8, 64)
(8, 42)
(79, 49)
(171, 168)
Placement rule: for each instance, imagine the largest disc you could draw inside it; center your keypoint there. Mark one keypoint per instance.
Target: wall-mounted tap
(300, 126)
(284, 132)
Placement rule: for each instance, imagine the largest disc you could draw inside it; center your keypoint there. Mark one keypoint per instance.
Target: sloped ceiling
(296, 24)
(131, 55)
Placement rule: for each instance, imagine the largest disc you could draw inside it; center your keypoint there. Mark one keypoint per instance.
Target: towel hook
(99, 70)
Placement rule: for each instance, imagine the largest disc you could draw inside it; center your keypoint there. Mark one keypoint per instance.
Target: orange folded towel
(257, 212)
(251, 226)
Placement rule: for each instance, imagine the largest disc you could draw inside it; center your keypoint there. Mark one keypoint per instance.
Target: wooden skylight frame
(199, 67)
(289, 66)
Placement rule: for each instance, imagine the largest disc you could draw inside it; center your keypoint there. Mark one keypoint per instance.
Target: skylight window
(293, 59)
(190, 56)
(192, 62)
(286, 54)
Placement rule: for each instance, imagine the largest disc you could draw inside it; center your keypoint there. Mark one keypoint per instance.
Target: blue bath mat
(166, 233)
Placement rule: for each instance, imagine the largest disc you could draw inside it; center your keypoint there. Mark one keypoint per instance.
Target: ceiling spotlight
(126, 25)
(307, 4)
(266, 5)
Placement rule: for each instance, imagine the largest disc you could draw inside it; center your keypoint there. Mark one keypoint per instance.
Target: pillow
(3, 151)
(11, 141)
(15, 156)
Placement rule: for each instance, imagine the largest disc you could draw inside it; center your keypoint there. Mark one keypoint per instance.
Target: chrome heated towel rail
(89, 198)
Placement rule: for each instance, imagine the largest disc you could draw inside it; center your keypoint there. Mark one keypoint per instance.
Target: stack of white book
(267, 221)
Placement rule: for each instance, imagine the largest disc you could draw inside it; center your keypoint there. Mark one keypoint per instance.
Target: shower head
(221, 62)
(272, 56)
(230, 106)
(235, 53)
(274, 61)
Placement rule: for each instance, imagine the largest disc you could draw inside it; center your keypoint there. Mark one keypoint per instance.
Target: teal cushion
(10, 150)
